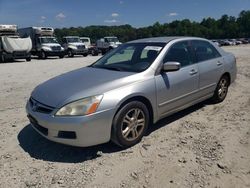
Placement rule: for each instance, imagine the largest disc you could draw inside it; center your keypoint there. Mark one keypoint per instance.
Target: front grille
(19, 54)
(56, 48)
(39, 107)
(81, 47)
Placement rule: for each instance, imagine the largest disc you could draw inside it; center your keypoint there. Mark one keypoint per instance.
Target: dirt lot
(204, 146)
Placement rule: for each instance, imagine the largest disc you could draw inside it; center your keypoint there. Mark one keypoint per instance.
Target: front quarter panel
(115, 98)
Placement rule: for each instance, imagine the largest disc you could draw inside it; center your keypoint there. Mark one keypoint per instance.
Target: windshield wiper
(107, 67)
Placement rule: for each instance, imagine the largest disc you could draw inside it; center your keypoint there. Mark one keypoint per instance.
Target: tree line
(224, 27)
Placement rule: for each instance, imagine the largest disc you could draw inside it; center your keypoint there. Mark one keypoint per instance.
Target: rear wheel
(130, 124)
(221, 90)
(85, 55)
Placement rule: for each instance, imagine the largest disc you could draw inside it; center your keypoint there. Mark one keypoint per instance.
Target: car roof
(162, 39)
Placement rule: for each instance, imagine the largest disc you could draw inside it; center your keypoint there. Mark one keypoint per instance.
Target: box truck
(44, 43)
(12, 46)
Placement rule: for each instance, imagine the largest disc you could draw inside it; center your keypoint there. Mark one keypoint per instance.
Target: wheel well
(227, 75)
(145, 101)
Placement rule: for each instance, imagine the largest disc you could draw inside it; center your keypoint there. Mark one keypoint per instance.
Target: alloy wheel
(133, 124)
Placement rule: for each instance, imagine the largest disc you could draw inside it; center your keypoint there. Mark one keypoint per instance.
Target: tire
(94, 53)
(130, 124)
(28, 59)
(2, 58)
(85, 55)
(43, 55)
(221, 90)
(61, 56)
(70, 53)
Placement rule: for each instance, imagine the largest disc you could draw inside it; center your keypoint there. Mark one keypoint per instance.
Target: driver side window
(180, 52)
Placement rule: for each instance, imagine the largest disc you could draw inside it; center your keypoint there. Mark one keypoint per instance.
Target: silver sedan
(129, 89)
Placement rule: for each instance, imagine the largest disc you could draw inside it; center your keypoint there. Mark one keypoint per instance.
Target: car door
(177, 89)
(210, 66)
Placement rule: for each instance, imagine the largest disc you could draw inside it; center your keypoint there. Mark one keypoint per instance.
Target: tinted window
(204, 50)
(180, 52)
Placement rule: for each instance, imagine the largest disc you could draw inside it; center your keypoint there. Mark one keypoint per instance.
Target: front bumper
(76, 131)
(55, 53)
(80, 51)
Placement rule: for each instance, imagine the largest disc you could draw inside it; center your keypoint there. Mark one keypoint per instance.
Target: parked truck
(107, 43)
(74, 46)
(44, 43)
(92, 49)
(12, 46)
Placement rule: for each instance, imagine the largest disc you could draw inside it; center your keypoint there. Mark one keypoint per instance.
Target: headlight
(81, 107)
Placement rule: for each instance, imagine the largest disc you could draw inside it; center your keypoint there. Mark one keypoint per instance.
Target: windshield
(131, 57)
(114, 39)
(72, 40)
(85, 40)
(48, 40)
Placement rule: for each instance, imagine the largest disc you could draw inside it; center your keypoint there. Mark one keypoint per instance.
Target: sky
(138, 13)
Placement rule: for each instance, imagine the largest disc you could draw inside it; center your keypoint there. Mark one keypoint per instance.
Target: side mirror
(171, 66)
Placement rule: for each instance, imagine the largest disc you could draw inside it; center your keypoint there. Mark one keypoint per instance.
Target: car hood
(79, 84)
(76, 43)
(50, 44)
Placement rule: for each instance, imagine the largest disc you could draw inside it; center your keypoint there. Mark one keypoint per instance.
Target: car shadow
(40, 148)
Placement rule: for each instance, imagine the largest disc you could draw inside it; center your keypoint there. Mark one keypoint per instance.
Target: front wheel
(85, 55)
(221, 90)
(43, 55)
(70, 53)
(28, 59)
(130, 124)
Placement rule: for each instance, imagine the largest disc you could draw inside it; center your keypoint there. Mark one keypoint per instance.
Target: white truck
(44, 43)
(107, 43)
(74, 46)
(92, 49)
(12, 46)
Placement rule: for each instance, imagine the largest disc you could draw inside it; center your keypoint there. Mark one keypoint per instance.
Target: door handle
(219, 63)
(193, 72)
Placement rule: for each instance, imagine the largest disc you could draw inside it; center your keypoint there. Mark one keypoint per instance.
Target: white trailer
(12, 46)
(44, 43)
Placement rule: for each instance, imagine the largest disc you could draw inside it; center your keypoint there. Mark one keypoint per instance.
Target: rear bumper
(76, 131)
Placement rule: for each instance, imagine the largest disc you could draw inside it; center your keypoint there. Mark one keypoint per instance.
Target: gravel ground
(203, 146)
